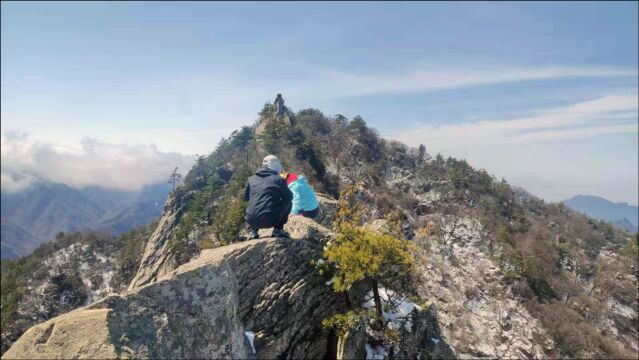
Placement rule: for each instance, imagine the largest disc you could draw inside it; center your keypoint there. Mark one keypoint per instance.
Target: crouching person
(304, 199)
(269, 199)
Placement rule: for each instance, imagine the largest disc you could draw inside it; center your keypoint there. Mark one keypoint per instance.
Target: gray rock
(157, 259)
(424, 340)
(202, 309)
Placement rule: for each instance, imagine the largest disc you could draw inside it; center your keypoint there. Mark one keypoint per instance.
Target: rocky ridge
(158, 259)
(267, 288)
(202, 309)
(505, 274)
(74, 276)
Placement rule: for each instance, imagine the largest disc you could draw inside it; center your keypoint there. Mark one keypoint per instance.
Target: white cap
(273, 163)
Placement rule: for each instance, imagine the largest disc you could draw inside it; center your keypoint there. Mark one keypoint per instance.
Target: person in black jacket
(269, 199)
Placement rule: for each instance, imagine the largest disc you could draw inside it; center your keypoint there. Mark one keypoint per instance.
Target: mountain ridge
(45, 209)
(604, 209)
(502, 273)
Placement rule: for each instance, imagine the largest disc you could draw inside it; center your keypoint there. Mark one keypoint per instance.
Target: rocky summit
(254, 299)
(203, 309)
(494, 271)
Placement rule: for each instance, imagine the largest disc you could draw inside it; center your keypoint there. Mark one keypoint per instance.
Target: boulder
(64, 337)
(202, 310)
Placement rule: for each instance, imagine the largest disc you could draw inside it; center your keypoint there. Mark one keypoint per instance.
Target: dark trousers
(276, 220)
(309, 214)
(283, 217)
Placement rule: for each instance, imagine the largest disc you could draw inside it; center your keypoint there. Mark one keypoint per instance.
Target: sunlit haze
(118, 94)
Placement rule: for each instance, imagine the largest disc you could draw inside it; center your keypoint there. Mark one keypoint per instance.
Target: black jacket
(268, 196)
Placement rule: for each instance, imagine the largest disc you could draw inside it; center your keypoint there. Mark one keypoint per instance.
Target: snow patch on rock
(400, 308)
(377, 352)
(251, 338)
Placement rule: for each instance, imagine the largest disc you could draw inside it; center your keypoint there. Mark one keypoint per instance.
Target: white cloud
(209, 105)
(574, 133)
(333, 84)
(590, 118)
(557, 153)
(119, 166)
(199, 109)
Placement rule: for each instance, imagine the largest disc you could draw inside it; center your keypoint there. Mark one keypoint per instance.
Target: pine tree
(378, 258)
(175, 178)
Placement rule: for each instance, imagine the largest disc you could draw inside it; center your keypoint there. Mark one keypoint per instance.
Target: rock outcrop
(157, 259)
(479, 315)
(279, 111)
(328, 210)
(267, 290)
(202, 310)
(69, 278)
(421, 340)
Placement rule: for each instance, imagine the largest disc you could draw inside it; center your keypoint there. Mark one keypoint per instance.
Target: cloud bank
(94, 163)
(557, 153)
(331, 83)
(606, 115)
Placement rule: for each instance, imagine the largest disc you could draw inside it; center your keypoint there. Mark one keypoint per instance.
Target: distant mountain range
(37, 214)
(622, 215)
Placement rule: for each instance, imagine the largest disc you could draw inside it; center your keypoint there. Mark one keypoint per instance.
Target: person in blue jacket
(269, 199)
(304, 199)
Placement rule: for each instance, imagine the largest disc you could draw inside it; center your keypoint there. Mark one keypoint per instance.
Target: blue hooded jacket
(303, 196)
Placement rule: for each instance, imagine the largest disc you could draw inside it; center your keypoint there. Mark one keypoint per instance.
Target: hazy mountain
(15, 240)
(621, 215)
(46, 209)
(109, 199)
(146, 205)
(37, 214)
(626, 224)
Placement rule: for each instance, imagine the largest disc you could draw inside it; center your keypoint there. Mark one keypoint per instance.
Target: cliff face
(492, 307)
(202, 310)
(157, 259)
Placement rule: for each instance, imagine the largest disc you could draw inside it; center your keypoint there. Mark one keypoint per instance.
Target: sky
(118, 94)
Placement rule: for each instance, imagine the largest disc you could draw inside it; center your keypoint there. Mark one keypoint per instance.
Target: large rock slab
(300, 227)
(157, 259)
(65, 335)
(202, 310)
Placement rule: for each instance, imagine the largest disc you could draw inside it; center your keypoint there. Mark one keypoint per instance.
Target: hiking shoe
(253, 235)
(280, 233)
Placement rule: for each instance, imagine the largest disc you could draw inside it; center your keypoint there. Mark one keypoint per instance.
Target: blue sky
(543, 94)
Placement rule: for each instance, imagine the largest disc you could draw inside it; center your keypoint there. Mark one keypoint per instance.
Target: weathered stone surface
(157, 259)
(479, 315)
(328, 210)
(300, 227)
(424, 339)
(282, 298)
(202, 309)
(65, 335)
(420, 339)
